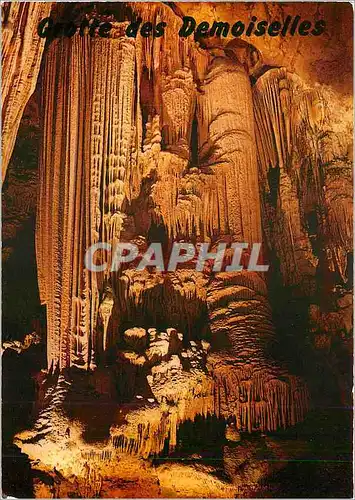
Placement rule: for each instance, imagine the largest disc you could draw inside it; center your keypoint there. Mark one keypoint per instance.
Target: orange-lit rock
(21, 59)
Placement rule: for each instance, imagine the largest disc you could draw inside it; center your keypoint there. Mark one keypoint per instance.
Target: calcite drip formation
(21, 59)
(164, 138)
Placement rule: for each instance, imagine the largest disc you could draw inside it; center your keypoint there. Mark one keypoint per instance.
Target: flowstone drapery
(21, 59)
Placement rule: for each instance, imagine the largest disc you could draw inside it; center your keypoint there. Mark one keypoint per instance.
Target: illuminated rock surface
(21, 59)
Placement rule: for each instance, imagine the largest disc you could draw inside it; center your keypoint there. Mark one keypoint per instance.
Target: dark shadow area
(21, 308)
(325, 470)
(163, 306)
(198, 442)
(18, 402)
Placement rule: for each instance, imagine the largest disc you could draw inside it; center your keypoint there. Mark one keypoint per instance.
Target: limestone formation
(303, 147)
(21, 59)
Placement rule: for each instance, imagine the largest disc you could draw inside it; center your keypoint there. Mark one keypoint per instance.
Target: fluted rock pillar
(251, 388)
(227, 147)
(89, 136)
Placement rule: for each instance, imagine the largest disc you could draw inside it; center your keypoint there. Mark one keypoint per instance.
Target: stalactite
(22, 52)
(168, 61)
(273, 98)
(167, 53)
(250, 385)
(178, 105)
(82, 173)
(299, 130)
(105, 312)
(101, 167)
(227, 185)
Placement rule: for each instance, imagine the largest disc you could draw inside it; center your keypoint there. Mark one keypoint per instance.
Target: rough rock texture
(237, 381)
(324, 59)
(169, 140)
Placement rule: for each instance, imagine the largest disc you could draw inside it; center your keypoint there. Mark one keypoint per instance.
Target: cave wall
(326, 59)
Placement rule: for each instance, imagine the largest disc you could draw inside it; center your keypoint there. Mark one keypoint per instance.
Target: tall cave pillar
(252, 389)
(227, 146)
(89, 139)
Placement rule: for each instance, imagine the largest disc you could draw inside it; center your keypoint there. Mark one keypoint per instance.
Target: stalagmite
(226, 183)
(227, 147)
(22, 52)
(250, 386)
